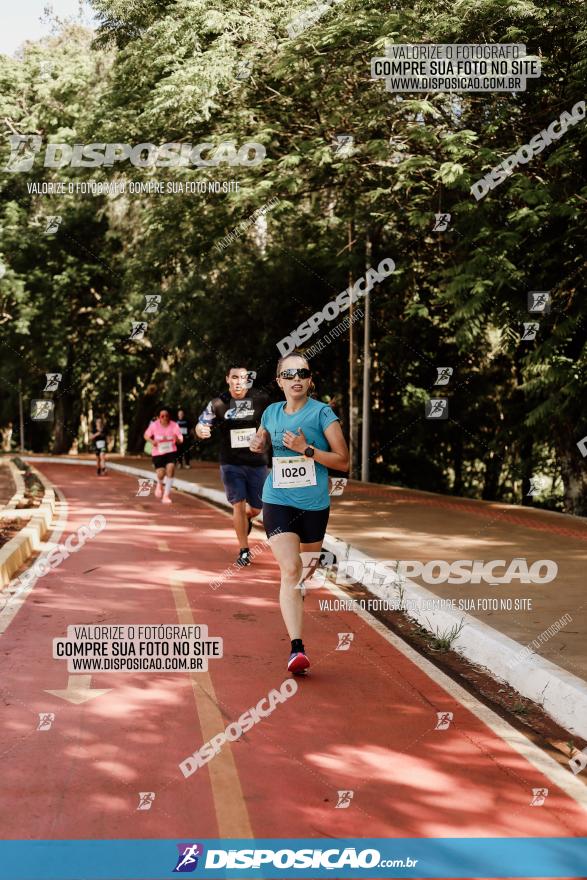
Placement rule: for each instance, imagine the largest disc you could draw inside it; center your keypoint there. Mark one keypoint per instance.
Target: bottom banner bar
(366, 858)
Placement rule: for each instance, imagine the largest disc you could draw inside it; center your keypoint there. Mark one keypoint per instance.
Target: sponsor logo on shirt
(241, 409)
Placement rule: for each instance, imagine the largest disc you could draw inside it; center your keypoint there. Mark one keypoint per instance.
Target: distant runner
(164, 434)
(99, 438)
(307, 440)
(184, 451)
(237, 415)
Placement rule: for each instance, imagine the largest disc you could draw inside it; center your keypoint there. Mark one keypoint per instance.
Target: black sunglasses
(304, 373)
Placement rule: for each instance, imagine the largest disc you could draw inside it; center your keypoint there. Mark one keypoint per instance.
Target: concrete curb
(19, 495)
(28, 540)
(14, 596)
(560, 693)
(191, 488)
(17, 512)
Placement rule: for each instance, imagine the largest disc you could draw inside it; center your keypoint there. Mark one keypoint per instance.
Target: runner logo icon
(53, 380)
(444, 374)
(145, 487)
(46, 719)
(42, 410)
(536, 485)
(539, 301)
(187, 860)
(139, 328)
(146, 799)
(244, 70)
(444, 719)
(343, 144)
(539, 795)
(344, 641)
(436, 408)
(337, 485)
(52, 224)
(23, 149)
(344, 800)
(530, 330)
(152, 301)
(441, 222)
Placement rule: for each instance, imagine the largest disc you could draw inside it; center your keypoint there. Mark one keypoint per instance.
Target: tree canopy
(195, 72)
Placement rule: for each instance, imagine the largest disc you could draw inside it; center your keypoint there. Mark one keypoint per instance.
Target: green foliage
(162, 71)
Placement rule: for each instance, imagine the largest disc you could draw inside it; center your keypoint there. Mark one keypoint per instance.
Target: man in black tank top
(236, 414)
(184, 451)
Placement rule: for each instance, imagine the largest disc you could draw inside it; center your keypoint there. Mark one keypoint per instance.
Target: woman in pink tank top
(164, 434)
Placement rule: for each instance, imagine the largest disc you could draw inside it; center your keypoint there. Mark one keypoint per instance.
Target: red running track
(364, 720)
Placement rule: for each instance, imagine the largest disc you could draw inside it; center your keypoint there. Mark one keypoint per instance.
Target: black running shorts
(159, 461)
(309, 525)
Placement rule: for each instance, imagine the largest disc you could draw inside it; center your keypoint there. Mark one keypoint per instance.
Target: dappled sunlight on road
(363, 720)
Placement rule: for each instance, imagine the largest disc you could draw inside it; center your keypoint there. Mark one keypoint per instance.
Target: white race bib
(100, 444)
(164, 446)
(293, 472)
(241, 439)
(183, 431)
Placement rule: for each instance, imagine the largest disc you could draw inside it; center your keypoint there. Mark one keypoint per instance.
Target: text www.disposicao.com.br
(135, 664)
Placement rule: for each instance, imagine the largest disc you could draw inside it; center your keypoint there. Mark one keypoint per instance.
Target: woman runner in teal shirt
(307, 440)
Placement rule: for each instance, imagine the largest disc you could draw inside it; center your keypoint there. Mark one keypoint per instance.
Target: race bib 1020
(293, 472)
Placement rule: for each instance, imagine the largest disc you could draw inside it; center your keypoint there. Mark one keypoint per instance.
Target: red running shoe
(297, 663)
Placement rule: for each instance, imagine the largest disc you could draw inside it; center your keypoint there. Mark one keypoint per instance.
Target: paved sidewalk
(390, 523)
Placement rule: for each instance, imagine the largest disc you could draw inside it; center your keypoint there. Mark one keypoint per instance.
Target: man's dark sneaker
(297, 663)
(244, 557)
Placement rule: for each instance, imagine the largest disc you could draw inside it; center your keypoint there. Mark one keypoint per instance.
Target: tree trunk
(354, 387)
(574, 474)
(492, 475)
(66, 412)
(65, 424)
(143, 414)
(526, 466)
(458, 464)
